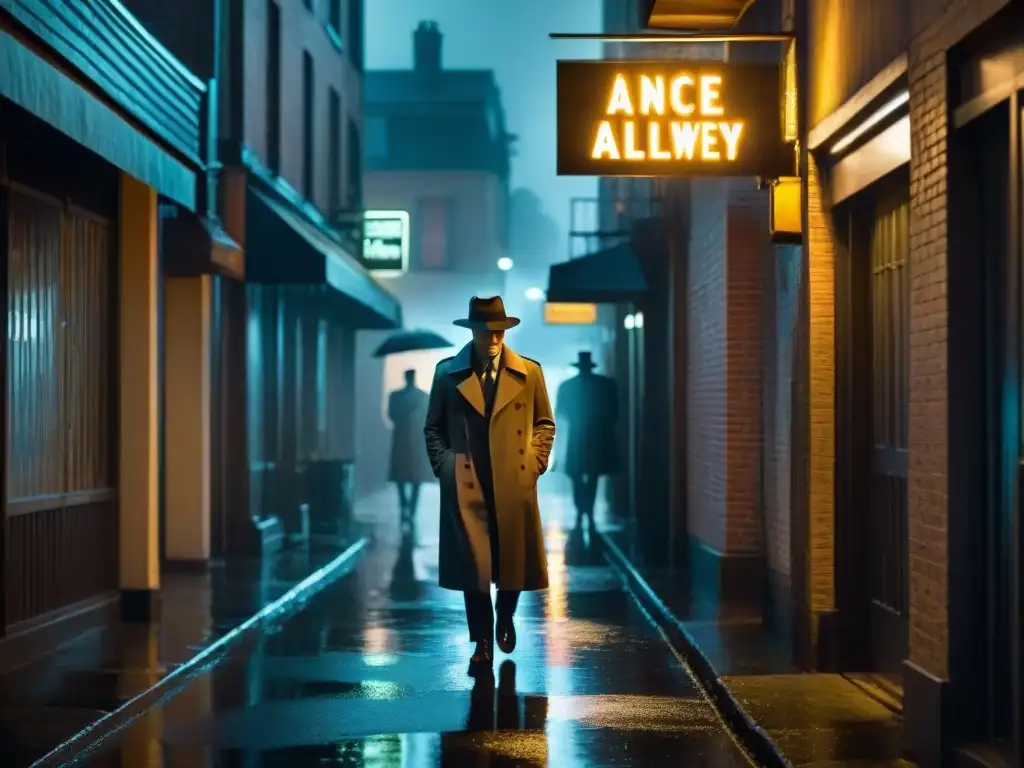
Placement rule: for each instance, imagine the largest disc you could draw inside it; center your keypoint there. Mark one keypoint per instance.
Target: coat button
(522, 466)
(519, 431)
(522, 451)
(465, 466)
(518, 406)
(470, 486)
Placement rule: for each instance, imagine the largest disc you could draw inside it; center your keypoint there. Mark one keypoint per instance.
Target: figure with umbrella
(407, 411)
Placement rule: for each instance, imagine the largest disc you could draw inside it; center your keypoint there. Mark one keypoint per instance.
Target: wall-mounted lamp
(504, 263)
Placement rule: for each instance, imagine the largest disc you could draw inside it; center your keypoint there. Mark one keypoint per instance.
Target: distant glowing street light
(534, 294)
(629, 322)
(638, 320)
(504, 263)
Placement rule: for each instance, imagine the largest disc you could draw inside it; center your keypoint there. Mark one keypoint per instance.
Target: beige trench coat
(522, 431)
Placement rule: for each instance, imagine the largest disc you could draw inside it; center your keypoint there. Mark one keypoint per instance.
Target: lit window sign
(663, 118)
(386, 242)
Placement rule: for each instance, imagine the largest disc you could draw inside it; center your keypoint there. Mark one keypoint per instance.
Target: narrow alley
(374, 672)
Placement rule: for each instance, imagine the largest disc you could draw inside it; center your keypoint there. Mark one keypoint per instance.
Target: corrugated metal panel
(60, 436)
(35, 439)
(58, 381)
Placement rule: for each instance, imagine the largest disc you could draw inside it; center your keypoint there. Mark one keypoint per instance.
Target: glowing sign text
(679, 123)
(665, 118)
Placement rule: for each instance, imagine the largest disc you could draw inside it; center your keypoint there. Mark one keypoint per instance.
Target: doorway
(985, 429)
(886, 522)
(872, 401)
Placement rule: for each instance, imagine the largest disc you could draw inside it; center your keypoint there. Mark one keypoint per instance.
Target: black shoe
(483, 656)
(506, 633)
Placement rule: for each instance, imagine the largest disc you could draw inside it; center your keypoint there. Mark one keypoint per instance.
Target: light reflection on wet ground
(373, 673)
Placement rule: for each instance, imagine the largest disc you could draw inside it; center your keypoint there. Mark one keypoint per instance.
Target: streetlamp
(504, 263)
(534, 294)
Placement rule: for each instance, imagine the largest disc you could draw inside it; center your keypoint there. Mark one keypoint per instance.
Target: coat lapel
(510, 381)
(469, 387)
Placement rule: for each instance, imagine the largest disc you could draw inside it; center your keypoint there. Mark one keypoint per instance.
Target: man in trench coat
(489, 433)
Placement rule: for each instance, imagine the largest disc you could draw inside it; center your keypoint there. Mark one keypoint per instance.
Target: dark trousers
(584, 494)
(408, 497)
(480, 612)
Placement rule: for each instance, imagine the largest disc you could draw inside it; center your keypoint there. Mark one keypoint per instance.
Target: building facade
(438, 150)
(852, 404)
(911, 171)
(87, 160)
(168, 385)
(288, 190)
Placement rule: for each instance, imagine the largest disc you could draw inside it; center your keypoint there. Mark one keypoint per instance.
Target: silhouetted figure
(407, 410)
(489, 434)
(590, 403)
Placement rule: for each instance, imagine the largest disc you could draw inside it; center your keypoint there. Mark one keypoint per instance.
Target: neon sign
(665, 119)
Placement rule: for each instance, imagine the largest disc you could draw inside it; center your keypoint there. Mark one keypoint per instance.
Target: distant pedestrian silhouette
(589, 402)
(407, 410)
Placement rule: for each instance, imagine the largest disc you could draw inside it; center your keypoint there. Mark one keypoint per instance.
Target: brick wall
(748, 247)
(937, 26)
(706, 361)
(728, 247)
(819, 526)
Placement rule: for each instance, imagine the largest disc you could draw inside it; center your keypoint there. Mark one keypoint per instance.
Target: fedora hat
(487, 314)
(585, 360)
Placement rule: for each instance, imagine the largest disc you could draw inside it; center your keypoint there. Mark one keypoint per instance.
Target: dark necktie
(490, 384)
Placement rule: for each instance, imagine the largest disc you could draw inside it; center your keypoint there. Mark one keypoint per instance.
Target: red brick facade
(763, 427)
(728, 248)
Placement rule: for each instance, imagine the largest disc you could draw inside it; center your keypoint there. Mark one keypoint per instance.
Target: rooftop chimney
(427, 47)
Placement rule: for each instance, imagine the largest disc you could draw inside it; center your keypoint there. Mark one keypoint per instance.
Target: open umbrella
(411, 341)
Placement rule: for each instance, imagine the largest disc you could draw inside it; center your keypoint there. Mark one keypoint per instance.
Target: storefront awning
(282, 247)
(197, 245)
(696, 15)
(610, 276)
